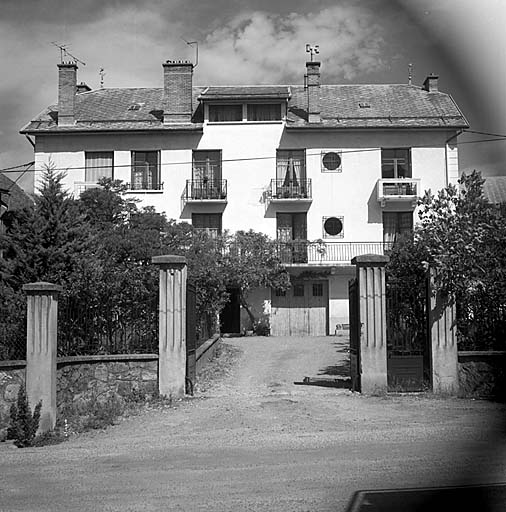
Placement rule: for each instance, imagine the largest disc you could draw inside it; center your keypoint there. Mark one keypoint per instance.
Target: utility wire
(486, 133)
(10, 169)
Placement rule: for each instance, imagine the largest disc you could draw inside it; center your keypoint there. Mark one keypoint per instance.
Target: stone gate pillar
(172, 325)
(41, 337)
(372, 349)
(442, 341)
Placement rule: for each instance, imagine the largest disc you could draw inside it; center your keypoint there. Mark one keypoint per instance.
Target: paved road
(257, 441)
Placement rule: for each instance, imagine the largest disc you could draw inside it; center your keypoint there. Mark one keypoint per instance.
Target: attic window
(364, 105)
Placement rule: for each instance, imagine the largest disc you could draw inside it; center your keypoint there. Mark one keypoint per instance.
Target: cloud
(257, 47)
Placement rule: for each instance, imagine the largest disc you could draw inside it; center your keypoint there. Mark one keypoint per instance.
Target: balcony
(305, 252)
(403, 190)
(144, 187)
(204, 191)
(283, 191)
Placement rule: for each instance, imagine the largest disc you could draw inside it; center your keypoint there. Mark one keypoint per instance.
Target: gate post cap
(372, 260)
(169, 260)
(42, 287)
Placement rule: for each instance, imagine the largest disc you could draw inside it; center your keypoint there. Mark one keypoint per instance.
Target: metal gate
(408, 355)
(191, 337)
(355, 327)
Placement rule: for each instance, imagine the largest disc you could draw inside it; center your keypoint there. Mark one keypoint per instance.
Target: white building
(331, 171)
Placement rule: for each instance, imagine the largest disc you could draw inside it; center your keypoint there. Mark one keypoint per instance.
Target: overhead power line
(501, 138)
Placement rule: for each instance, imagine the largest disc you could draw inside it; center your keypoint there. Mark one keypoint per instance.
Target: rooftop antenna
(312, 50)
(102, 74)
(191, 43)
(64, 53)
(410, 73)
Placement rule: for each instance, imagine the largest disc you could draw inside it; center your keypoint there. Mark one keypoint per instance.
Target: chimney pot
(431, 83)
(67, 88)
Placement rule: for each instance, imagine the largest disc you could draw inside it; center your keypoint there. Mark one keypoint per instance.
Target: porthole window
(331, 161)
(333, 227)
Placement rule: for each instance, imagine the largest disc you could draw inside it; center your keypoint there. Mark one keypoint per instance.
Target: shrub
(23, 424)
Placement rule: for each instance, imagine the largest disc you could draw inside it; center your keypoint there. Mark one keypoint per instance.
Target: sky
(258, 42)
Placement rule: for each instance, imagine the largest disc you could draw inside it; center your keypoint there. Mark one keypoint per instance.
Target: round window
(331, 161)
(333, 226)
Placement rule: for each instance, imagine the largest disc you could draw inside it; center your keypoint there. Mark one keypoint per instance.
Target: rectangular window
(291, 173)
(224, 113)
(208, 222)
(264, 111)
(298, 290)
(98, 165)
(396, 224)
(279, 293)
(145, 170)
(317, 289)
(395, 163)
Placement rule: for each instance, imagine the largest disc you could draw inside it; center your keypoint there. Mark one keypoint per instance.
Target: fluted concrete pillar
(41, 336)
(443, 341)
(370, 269)
(172, 325)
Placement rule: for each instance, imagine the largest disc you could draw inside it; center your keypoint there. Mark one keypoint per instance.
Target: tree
(462, 237)
(251, 261)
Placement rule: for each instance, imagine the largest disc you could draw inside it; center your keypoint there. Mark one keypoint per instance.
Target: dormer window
(224, 113)
(264, 111)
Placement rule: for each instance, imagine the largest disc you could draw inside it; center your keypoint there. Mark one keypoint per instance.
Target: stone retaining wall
(81, 380)
(12, 377)
(482, 374)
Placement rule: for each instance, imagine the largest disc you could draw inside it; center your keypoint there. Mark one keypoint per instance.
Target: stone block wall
(12, 377)
(81, 380)
(482, 374)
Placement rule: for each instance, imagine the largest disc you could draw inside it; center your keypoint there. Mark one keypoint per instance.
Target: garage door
(301, 311)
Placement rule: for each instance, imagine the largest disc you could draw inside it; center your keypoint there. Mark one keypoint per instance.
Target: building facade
(330, 171)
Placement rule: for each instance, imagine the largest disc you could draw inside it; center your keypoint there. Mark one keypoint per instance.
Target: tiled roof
(16, 197)
(342, 106)
(246, 92)
(494, 189)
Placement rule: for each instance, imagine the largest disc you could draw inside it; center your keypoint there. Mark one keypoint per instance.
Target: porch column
(172, 325)
(41, 336)
(443, 341)
(372, 347)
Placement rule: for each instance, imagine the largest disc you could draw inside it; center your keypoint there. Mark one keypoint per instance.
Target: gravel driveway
(254, 440)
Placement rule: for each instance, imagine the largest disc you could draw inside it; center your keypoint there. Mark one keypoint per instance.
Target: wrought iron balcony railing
(204, 190)
(398, 189)
(144, 186)
(318, 252)
(289, 189)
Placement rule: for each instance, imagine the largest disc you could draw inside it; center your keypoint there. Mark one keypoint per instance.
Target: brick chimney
(177, 92)
(430, 84)
(313, 92)
(67, 80)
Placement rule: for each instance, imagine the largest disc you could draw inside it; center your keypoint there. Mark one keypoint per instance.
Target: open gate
(191, 337)
(355, 327)
(408, 349)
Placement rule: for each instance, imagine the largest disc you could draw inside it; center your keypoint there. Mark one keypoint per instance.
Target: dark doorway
(230, 318)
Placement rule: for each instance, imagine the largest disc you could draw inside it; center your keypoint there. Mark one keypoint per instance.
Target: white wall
(249, 163)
